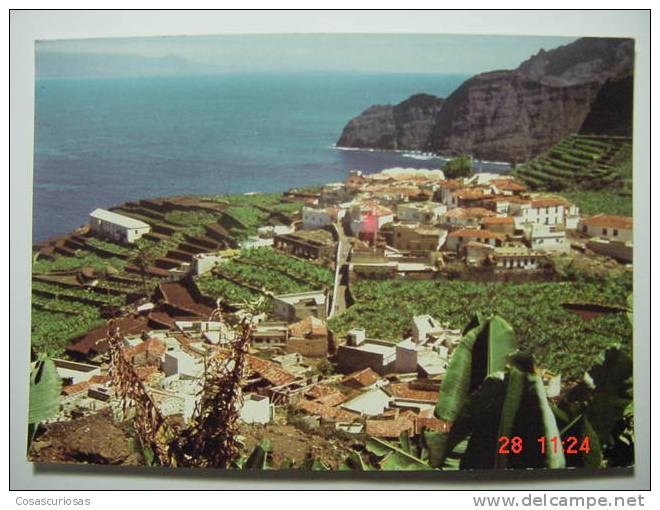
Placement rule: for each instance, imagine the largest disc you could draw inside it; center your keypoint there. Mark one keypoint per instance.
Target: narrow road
(341, 273)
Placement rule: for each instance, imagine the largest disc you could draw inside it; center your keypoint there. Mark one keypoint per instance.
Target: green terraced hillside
(581, 162)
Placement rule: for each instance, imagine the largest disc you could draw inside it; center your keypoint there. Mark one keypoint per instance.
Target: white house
(316, 218)
(274, 230)
(257, 409)
(425, 325)
(181, 363)
(73, 372)
(368, 219)
(257, 242)
(370, 403)
(457, 239)
(516, 257)
(300, 305)
(117, 226)
(204, 262)
(615, 228)
(420, 212)
(546, 238)
(542, 211)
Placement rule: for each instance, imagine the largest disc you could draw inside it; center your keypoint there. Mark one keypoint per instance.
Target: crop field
(559, 339)
(263, 271)
(315, 274)
(581, 162)
(82, 258)
(596, 202)
(52, 330)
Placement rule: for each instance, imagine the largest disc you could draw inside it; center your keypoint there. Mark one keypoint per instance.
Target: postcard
(348, 252)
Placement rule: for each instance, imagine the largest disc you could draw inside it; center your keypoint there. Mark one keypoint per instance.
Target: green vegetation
(45, 388)
(230, 292)
(114, 248)
(82, 259)
(458, 167)
(51, 331)
(597, 202)
(315, 274)
(267, 280)
(260, 271)
(78, 292)
(190, 218)
(243, 221)
(245, 213)
(581, 163)
(559, 339)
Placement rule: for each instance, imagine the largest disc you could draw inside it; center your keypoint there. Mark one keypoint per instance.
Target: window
(616, 232)
(604, 231)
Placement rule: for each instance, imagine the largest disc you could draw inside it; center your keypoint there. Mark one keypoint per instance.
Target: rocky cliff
(406, 125)
(505, 115)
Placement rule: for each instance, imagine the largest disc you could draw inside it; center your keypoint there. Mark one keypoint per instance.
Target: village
(399, 225)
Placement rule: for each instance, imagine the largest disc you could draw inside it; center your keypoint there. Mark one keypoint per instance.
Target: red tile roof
(407, 390)
(326, 412)
(508, 185)
(390, 428)
(151, 346)
(431, 423)
(270, 371)
(321, 390)
(95, 339)
(470, 193)
(74, 389)
(361, 379)
(547, 202)
(498, 220)
(608, 220)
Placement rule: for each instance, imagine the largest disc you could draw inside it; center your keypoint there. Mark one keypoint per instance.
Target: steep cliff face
(503, 115)
(612, 111)
(404, 126)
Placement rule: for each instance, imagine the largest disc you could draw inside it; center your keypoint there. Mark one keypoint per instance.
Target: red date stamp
(570, 445)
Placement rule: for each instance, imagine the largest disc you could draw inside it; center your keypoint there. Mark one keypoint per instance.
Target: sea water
(101, 142)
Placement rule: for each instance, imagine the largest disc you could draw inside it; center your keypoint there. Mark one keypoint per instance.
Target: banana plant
(45, 389)
(504, 420)
(484, 350)
(601, 409)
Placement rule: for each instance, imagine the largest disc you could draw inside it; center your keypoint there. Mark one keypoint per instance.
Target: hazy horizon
(368, 53)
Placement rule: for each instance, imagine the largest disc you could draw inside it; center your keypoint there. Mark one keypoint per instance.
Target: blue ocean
(100, 142)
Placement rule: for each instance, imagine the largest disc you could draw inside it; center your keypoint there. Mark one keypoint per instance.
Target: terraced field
(581, 162)
(263, 272)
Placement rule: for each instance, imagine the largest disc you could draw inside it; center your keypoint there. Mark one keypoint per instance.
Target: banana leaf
(45, 389)
(612, 384)
(393, 458)
(510, 404)
(314, 464)
(354, 462)
(483, 351)
(258, 459)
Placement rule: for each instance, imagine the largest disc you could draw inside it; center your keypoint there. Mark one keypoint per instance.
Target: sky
(430, 53)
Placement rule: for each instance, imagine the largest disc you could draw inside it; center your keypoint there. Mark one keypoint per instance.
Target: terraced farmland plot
(580, 162)
(51, 330)
(266, 280)
(225, 290)
(77, 294)
(315, 274)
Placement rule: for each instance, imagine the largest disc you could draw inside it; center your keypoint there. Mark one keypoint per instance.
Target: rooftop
(609, 220)
(117, 219)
